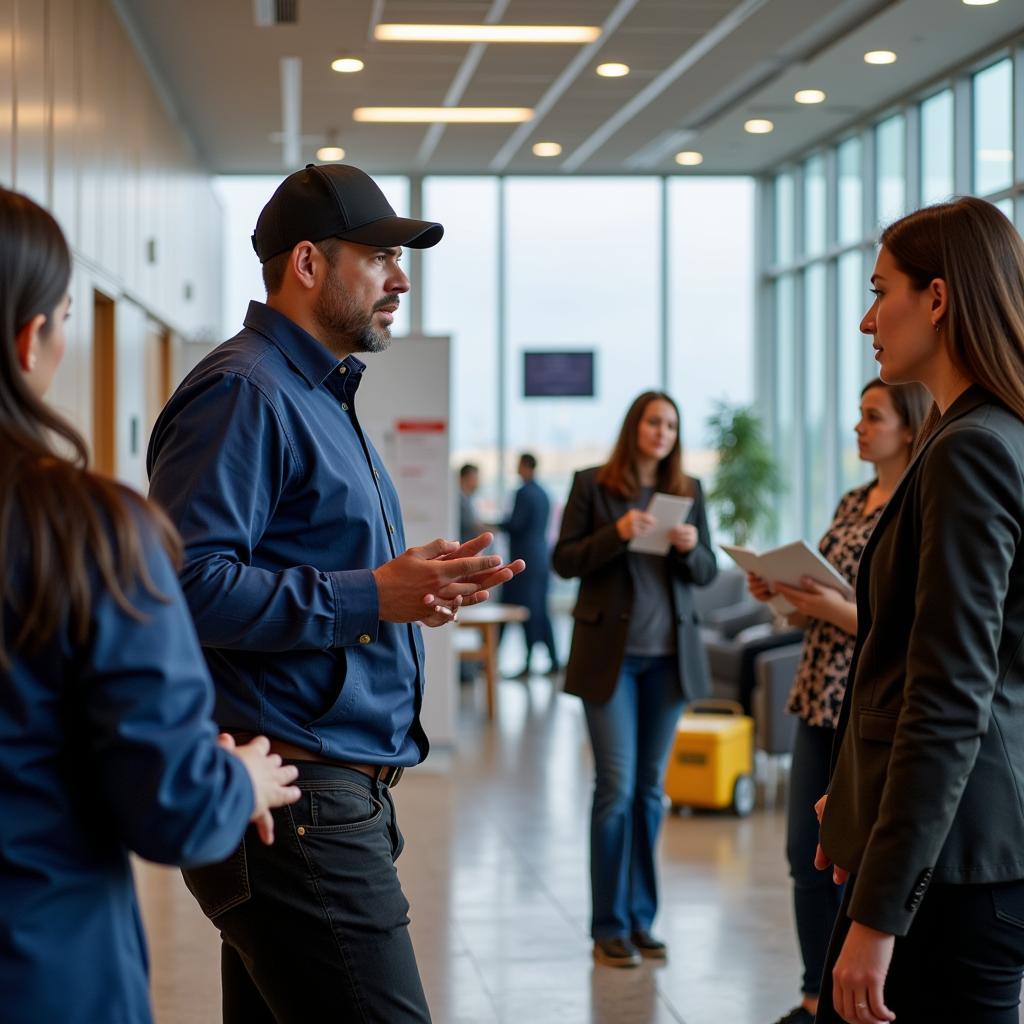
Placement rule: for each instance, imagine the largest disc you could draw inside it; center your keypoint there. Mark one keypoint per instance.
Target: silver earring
(937, 329)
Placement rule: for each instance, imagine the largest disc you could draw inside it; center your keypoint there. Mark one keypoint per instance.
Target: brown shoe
(650, 947)
(616, 953)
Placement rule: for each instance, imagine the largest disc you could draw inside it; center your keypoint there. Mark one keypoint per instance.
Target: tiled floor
(495, 868)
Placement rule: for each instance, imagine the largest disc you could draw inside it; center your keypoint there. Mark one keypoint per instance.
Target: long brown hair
(973, 247)
(61, 526)
(620, 474)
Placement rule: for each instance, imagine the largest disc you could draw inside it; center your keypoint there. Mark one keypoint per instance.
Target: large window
(817, 497)
(851, 191)
(937, 147)
(583, 274)
(460, 278)
(958, 136)
(785, 210)
(993, 128)
(851, 305)
(890, 164)
(711, 291)
(814, 206)
(787, 445)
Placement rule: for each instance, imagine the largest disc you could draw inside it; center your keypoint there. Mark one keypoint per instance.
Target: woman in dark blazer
(106, 742)
(925, 810)
(636, 658)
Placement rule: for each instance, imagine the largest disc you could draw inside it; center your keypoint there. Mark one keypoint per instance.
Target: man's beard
(344, 327)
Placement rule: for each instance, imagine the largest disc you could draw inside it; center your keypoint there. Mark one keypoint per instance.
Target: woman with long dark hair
(636, 658)
(106, 743)
(890, 419)
(926, 804)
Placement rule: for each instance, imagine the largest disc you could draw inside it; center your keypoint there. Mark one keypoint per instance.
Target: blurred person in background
(469, 483)
(890, 419)
(636, 659)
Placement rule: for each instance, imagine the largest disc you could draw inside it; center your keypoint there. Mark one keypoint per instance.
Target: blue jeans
(816, 897)
(316, 927)
(631, 735)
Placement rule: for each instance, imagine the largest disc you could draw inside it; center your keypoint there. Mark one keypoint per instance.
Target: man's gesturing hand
(405, 581)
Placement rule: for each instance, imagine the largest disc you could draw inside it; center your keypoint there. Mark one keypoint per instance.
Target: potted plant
(747, 480)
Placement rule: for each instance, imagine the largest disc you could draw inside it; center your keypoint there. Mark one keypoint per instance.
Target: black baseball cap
(335, 201)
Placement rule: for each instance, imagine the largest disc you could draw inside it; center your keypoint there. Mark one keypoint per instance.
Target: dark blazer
(590, 547)
(929, 774)
(527, 529)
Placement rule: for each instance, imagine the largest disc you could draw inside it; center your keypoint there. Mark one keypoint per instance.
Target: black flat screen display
(558, 374)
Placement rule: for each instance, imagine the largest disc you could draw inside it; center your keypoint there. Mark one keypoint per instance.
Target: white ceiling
(700, 69)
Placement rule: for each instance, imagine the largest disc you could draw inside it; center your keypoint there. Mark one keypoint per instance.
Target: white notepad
(669, 511)
(789, 564)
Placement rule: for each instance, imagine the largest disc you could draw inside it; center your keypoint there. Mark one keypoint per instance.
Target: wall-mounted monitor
(558, 374)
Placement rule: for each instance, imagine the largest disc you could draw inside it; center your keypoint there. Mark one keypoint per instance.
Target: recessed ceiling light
(809, 96)
(612, 70)
(879, 57)
(347, 65)
(547, 148)
(330, 153)
(689, 158)
(442, 115)
(980, 3)
(759, 126)
(486, 33)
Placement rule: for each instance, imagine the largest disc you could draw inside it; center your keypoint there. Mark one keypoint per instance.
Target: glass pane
(583, 273)
(993, 128)
(461, 300)
(814, 206)
(817, 501)
(851, 191)
(890, 163)
(854, 300)
(711, 291)
(784, 218)
(937, 148)
(785, 435)
(1006, 205)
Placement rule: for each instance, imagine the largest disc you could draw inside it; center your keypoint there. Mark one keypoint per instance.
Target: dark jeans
(631, 735)
(317, 922)
(961, 961)
(816, 897)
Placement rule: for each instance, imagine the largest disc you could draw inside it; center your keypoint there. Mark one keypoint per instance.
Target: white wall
(84, 133)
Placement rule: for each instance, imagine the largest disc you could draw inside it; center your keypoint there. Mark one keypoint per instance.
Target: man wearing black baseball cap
(307, 605)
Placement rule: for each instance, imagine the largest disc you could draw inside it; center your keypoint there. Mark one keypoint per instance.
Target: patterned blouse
(820, 682)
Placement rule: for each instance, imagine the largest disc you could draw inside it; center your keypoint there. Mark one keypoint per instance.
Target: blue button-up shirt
(285, 508)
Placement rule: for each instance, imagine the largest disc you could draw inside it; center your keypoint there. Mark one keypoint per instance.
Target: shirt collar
(314, 361)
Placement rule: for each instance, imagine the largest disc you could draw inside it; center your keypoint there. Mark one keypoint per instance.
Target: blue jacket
(104, 748)
(285, 509)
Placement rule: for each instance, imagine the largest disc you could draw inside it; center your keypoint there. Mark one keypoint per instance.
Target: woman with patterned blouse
(889, 421)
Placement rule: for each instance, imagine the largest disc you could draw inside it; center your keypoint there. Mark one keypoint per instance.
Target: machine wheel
(744, 794)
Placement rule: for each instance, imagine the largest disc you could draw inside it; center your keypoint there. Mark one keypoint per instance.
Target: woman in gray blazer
(925, 810)
(636, 658)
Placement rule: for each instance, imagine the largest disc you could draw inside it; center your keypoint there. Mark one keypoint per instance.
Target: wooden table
(488, 618)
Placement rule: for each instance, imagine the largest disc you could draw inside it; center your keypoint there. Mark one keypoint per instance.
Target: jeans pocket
(219, 887)
(335, 808)
(1008, 902)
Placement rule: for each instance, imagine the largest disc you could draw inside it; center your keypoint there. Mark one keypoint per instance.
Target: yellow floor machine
(712, 760)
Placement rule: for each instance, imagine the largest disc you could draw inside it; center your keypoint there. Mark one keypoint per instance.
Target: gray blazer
(590, 547)
(928, 780)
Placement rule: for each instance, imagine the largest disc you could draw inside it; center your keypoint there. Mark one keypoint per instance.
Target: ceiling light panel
(689, 158)
(612, 70)
(547, 149)
(759, 126)
(329, 154)
(347, 65)
(879, 57)
(574, 34)
(809, 96)
(442, 115)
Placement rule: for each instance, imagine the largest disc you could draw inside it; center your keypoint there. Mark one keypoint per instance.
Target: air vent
(275, 12)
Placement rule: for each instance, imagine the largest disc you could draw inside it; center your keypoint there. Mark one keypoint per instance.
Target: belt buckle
(391, 776)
